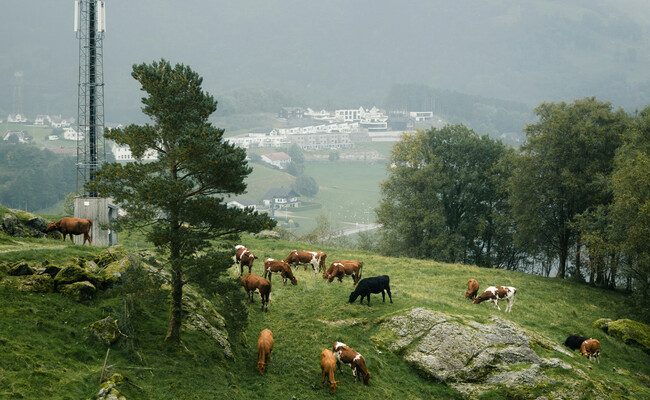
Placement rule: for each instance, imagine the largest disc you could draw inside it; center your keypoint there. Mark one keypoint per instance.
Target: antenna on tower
(89, 25)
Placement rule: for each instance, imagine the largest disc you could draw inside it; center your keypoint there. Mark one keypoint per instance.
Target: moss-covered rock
(631, 332)
(601, 323)
(114, 271)
(109, 255)
(72, 273)
(106, 330)
(20, 268)
(51, 270)
(108, 389)
(79, 291)
(36, 284)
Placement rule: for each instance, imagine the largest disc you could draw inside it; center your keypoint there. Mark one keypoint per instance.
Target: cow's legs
(241, 270)
(250, 268)
(368, 299)
(383, 296)
(71, 238)
(510, 303)
(496, 303)
(389, 295)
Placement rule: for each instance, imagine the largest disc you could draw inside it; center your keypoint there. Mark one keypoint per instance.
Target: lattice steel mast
(90, 25)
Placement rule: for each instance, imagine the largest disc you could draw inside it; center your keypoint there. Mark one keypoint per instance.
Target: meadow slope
(49, 354)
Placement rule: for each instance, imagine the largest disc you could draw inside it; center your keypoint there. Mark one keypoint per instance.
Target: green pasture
(48, 354)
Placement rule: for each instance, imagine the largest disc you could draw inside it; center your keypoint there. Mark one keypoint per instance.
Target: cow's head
(353, 297)
(261, 366)
(52, 226)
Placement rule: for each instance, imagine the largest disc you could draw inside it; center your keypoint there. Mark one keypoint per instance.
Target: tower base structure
(102, 213)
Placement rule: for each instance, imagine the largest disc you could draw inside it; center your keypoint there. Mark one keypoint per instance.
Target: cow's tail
(90, 230)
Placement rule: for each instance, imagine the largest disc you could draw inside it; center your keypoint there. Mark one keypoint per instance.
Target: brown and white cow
(327, 367)
(347, 355)
(244, 257)
(264, 349)
(339, 269)
(590, 348)
(314, 258)
(494, 294)
(271, 265)
(472, 289)
(252, 282)
(73, 226)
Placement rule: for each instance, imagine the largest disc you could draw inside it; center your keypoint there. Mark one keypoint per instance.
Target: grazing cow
(472, 289)
(314, 258)
(264, 349)
(347, 355)
(327, 367)
(590, 348)
(244, 257)
(73, 226)
(574, 341)
(252, 282)
(375, 284)
(338, 269)
(494, 294)
(281, 266)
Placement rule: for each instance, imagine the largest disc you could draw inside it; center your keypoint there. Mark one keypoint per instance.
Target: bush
(631, 332)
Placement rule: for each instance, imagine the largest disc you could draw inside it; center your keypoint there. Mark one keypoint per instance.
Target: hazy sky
(527, 51)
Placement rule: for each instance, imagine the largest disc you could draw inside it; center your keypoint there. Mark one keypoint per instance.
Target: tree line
(574, 200)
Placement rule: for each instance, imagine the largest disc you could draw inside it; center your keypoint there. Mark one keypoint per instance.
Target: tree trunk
(176, 306)
(564, 252)
(578, 273)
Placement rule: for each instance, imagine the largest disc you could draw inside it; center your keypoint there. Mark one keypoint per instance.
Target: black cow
(574, 341)
(375, 284)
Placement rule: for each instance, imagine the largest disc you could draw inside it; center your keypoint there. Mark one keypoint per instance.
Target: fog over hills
(337, 53)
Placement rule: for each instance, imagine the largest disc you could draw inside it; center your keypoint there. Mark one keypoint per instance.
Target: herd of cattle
(340, 352)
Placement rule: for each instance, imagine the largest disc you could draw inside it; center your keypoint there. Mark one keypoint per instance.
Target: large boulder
(79, 291)
(470, 356)
(37, 226)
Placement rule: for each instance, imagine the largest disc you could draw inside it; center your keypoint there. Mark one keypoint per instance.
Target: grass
(48, 354)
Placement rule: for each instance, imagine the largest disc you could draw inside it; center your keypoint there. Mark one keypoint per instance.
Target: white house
(16, 118)
(279, 159)
(71, 134)
(420, 116)
(40, 120)
(20, 136)
(276, 198)
(123, 153)
(53, 137)
(242, 204)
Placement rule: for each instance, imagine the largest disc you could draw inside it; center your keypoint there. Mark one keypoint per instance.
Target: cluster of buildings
(317, 137)
(54, 121)
(276, 198)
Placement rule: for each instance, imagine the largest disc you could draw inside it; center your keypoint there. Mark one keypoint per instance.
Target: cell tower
(90, 25)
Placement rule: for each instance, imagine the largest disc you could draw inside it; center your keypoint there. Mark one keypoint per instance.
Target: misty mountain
(336, 53)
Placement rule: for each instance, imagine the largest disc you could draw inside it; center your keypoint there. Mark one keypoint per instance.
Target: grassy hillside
(47, 353)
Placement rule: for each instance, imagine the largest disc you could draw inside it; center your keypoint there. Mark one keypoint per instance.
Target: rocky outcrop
(630, 332)
(22, 224)
(20, 268)
(470, 356)
(36, 284)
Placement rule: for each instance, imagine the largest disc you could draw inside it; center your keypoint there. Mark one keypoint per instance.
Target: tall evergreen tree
(178, 200)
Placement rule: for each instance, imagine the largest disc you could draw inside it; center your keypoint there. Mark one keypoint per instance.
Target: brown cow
(73, 226)
(314, 258)
(252, 282)
(244, 257)
(472, 289)
(347, 355)
(264, 349)
(271, 265)
(327, 367)
(590, 348)
(338, 269)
